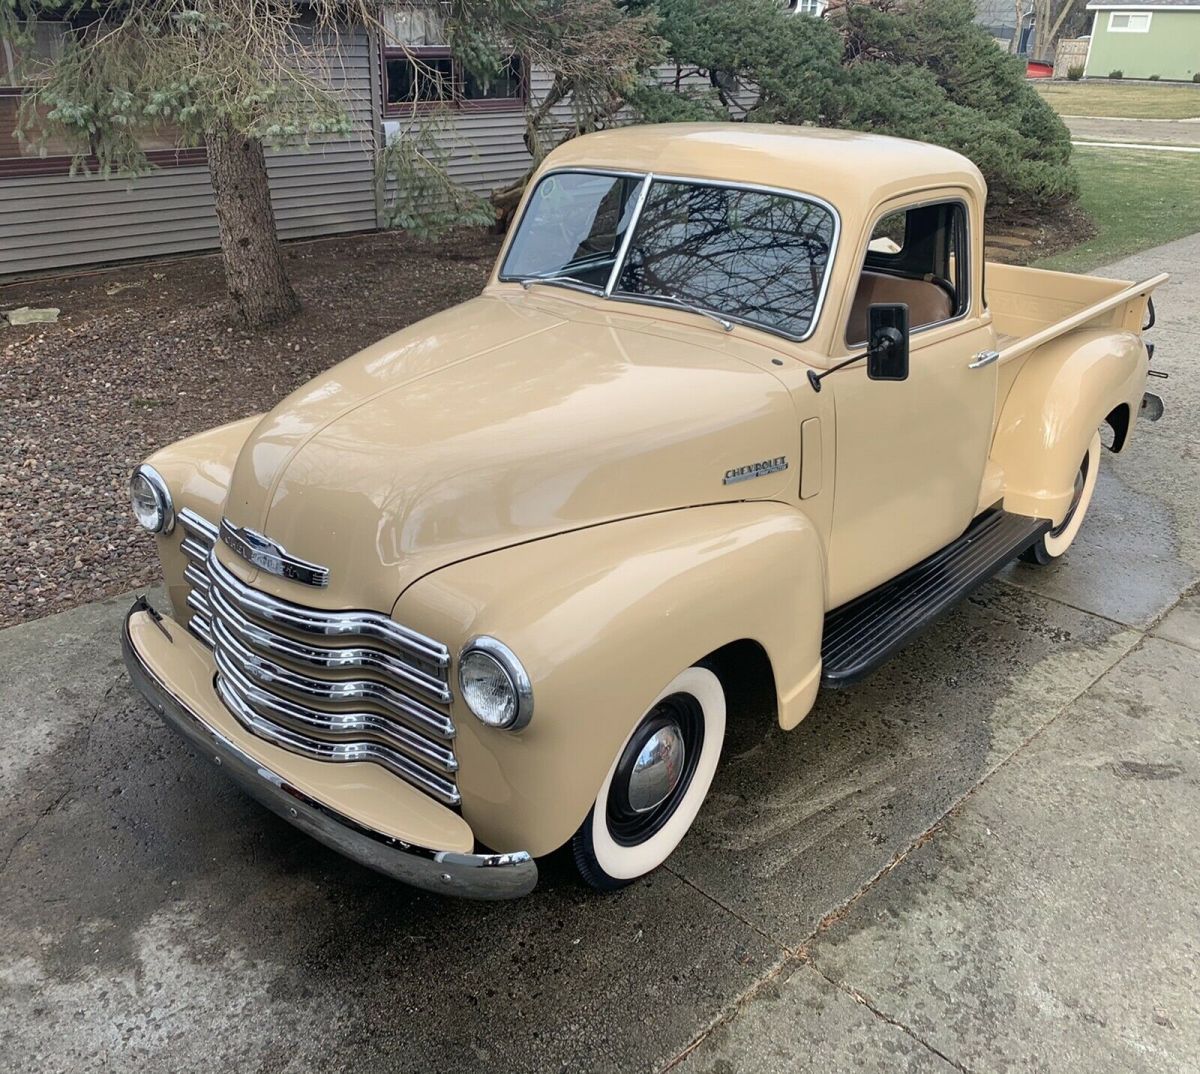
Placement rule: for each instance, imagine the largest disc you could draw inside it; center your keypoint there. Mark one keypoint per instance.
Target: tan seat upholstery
(927, 302)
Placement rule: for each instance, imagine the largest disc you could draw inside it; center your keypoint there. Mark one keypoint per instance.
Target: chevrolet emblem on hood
(266, 554)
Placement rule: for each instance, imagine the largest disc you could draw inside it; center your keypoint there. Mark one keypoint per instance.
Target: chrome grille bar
(369, 699)
(321, 750)
(202, 629)
(343, 725)
(195, 549)
(328, 691)
(351, 658)
(195, 576)
(327, 624)
(198, 526)
(196, 546)
(198, 602)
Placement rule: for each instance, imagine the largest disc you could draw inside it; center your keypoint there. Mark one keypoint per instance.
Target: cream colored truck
(734, 396)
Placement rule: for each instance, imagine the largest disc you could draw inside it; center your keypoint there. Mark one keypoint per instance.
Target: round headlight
(151, 500)
(494, 684)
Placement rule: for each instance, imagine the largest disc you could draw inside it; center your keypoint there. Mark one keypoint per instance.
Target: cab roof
(852, 170)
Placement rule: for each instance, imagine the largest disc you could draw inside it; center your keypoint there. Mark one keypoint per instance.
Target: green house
(1161, 37)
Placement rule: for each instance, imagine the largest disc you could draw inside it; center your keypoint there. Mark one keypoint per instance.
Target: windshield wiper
(562, 277)
(692, 307)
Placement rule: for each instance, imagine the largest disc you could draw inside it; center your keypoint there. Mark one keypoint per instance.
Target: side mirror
(887, 341)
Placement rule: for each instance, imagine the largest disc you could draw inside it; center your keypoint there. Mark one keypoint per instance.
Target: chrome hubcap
(655, 769)
(658, 769)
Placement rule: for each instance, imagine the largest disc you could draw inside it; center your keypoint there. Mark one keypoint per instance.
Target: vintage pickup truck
(735, 397)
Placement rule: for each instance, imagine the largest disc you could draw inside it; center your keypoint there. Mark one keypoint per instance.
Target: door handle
(984, 358)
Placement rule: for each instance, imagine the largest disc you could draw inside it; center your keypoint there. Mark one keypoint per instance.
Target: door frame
(975, 310)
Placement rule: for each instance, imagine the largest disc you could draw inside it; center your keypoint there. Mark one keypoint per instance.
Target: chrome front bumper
(475, 876)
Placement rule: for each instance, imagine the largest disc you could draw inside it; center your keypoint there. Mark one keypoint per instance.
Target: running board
(867, 631)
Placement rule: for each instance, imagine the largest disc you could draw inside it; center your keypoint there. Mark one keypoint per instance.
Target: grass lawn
(1138, 198)
(1118, 99)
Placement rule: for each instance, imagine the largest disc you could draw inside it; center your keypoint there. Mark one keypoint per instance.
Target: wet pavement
(984, 858)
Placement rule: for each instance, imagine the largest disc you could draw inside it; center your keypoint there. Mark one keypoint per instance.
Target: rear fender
(602, 619)
(1063, 392)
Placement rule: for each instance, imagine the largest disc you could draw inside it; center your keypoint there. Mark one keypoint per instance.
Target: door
(911, 454)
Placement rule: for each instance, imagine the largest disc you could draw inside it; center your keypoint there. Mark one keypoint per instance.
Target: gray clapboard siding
(486, 148)
(324, 188)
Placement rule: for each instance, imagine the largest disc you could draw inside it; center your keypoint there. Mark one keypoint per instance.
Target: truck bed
(1032, 306)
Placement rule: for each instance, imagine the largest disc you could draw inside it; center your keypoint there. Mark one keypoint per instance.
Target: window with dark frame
(918, 256)
(425, 76)
(756, 256)
(14, 59)
(52, 155)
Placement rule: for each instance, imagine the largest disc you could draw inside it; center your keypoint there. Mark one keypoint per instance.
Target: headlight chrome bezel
(518, 678)
(162, 497)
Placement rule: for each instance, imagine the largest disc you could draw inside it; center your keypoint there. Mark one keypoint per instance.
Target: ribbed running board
(861, 635)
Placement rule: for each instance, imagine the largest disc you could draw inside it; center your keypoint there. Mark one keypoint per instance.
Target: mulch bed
(146, 354)
(1019, 238)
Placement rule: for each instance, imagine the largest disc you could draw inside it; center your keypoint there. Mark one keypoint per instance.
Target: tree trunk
(254, 269)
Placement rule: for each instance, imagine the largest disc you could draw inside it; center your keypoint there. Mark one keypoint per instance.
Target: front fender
(602, 619)
(1062, 393)
(197, 471)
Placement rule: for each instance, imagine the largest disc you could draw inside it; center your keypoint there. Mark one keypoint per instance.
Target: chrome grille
(334, 686)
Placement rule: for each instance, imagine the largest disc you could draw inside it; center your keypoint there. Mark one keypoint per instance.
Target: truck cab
(734, 396)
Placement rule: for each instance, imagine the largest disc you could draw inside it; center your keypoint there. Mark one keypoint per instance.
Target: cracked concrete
(984, 858)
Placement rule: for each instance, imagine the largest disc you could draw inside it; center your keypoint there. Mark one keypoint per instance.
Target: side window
(917, 256)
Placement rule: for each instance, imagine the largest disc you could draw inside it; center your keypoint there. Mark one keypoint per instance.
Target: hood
(500, 421)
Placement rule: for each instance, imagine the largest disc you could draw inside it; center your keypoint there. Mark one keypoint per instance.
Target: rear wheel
(1053, 544)
(656, 785)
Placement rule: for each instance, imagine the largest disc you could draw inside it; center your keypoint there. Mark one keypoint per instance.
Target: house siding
(325, 188)
(1170, 49)
(485, 149)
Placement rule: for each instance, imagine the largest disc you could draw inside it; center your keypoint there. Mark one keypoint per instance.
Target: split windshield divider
(627, 238)
(675, 301)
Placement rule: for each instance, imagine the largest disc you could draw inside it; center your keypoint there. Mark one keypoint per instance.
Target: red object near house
(1034, 69)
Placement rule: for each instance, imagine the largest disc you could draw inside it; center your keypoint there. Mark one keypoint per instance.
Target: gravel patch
(145, 355)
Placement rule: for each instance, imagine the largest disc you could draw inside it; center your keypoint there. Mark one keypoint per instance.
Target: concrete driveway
(985, 858)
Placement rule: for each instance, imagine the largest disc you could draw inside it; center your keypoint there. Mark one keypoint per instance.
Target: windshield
(753, 256)
(573, 227)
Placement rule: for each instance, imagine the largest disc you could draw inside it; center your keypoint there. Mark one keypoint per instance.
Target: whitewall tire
(656, 784)
(1053, 544)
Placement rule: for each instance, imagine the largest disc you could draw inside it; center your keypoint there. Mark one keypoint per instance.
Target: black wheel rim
(627, 827)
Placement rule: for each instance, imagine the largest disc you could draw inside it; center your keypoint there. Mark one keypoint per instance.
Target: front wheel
(656, 785)
(1053, 544)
